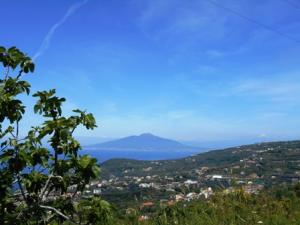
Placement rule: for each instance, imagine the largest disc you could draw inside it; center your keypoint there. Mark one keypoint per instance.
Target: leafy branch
(35, 180)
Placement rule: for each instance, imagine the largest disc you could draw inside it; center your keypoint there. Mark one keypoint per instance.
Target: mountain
(144, 142)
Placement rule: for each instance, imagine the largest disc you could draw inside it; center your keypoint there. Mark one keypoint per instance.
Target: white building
(97, 191)
(190, 182)
(217, 177)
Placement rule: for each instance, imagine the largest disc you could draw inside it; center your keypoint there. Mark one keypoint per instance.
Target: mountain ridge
(144, 142)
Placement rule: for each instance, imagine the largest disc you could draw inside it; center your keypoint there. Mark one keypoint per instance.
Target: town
(255, 167)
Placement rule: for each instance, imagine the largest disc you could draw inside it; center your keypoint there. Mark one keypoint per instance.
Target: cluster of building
(199, 183)
(193, 188)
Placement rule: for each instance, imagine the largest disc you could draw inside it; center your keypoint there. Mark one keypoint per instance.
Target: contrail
(46, 42)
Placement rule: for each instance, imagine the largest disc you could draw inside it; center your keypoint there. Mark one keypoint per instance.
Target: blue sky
(189, 70)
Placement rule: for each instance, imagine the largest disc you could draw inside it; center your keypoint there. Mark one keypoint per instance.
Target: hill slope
(273, 159)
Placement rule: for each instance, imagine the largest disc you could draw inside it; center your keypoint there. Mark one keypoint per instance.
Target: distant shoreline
(104, 155)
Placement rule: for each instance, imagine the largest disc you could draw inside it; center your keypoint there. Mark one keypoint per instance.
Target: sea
(104, 155)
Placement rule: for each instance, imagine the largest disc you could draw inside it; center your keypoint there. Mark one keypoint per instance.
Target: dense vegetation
(278, 206)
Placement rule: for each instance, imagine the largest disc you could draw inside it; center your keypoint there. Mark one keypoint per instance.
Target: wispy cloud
(169, 21)
(218, 53)
(269, 88)
(180, 114)
(278, 89)
(184, 124)
(47, 39)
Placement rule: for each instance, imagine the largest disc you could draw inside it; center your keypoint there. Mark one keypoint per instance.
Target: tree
(35, 180)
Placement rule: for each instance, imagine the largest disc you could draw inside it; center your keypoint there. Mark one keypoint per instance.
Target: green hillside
(277, 159)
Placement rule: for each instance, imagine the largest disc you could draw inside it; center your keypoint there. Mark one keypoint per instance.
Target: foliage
(280, 206)
(35, 180)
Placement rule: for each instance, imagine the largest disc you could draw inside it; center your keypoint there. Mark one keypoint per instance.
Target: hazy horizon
(205, 144)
